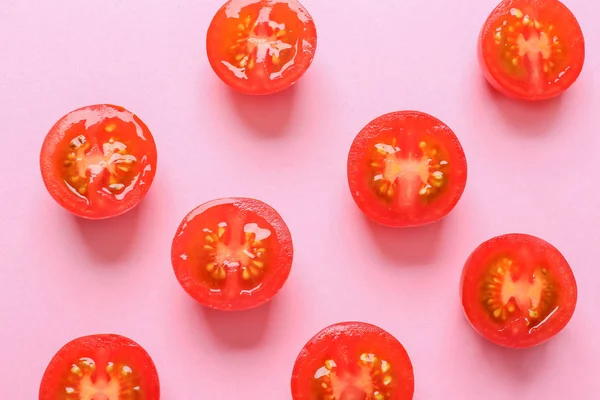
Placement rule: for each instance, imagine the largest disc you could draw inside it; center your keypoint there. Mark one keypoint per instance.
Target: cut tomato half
(232, 254)
(406, 168)
(101, 367)
(261, 46)
(98, 161)
(353, 360)
(518, 290)
(531, 49)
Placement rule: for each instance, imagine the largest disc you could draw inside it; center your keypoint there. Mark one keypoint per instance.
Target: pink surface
(533, 169)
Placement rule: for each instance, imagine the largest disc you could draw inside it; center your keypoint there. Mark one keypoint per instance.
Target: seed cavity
(122, 382)
(509, 292)
(538, 45)
(372, 375)
(110, 167)
(390, 166)
(248, 261)
(258, 41)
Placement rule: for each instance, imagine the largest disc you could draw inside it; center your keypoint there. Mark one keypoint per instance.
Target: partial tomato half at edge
(232, 253)
(261, 46)
(353, 360)
(531, 50)
(406, 169)
(105, 366)
(518, 290)
(98, 161)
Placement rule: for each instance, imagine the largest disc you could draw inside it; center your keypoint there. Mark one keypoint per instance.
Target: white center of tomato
(236, 251)
(411, 173)
(535, 45)
(245, 257)
(258, 41)
(111, 383)
(511, 293)
(369, 382)
(267, 45)
(349, 387)
(113, 156)
(406, 177)
(527, 294)
(397, 168)
(100, 390)
(85, 164)
(531, 49)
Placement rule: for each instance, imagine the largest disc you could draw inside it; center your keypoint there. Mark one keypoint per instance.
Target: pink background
(533, 169)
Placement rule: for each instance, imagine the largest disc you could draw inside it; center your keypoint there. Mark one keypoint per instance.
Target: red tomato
(531, 49)
(232, 254)
(406, 168)
(98, 161)
(518, 290)
(103, 367)
(353, 360)
(261, 46)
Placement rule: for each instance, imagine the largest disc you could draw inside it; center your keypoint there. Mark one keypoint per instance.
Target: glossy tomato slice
(261, 46)
(100, 367)
(406, 168)
(232, 254)
(531, 49)
(518, 290)
(98, 161)
(353, 360)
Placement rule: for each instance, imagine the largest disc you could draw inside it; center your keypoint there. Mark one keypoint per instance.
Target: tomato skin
(85, 346)
(280, 263)
(488, 62)
(535, 251)
(420, 126)
(346, 337)
(219, 32)
(54, 182)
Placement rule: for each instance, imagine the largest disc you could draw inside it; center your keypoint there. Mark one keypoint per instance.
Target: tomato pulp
(98, 161)
(518, 290)
(531, 49)
(353, 360)
(232, 254)
(261, 46)
(406, 168)
(103, 367)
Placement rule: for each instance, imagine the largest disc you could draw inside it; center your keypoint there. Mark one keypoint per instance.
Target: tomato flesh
(100, 367)
(98, 161)
(261, 46)
(232, 254)
(353, 360)
(531, 50)
(518, 290)
(406, 168)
